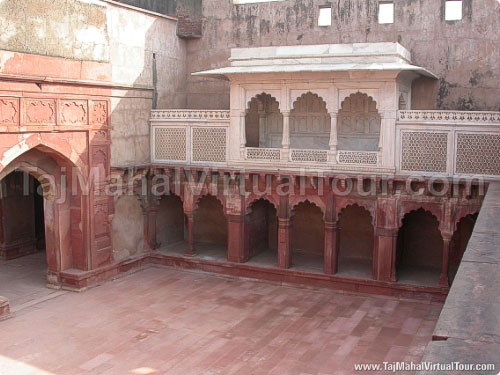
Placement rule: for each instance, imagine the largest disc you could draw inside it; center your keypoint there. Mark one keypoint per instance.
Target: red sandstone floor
(23, 280)
(164, 321)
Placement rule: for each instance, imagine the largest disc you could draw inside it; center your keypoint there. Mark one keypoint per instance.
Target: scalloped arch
(351, 96)
(316, 201)
(356, 205)
(411, 210)
(256, 97)
(267, 198)
(464, 216)
(208, 195)
(315, 95)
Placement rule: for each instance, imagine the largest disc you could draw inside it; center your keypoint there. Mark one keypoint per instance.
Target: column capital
(284, 221)
(332, 225)
(386, 232)
(446, 236)
(235, 217)
(285, 113)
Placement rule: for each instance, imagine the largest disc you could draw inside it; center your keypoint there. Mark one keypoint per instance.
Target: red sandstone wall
(128, 228)
(464, 55)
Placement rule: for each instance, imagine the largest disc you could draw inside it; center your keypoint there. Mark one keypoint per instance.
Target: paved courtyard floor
(166, 321)
(23, 281)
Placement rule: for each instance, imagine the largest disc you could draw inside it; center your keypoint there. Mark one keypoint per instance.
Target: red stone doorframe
(52, 135)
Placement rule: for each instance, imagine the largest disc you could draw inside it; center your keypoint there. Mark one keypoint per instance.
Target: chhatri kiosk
(326, 106)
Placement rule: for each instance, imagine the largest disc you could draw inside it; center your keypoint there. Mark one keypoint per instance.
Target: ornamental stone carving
(9, 111)
(99, 113)
(40, 111)
(74, 112)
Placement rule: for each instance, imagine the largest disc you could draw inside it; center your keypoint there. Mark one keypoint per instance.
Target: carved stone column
(333, 143)
(263, 129)
(331, 256)
(152, 227)
(284, 243)
(146, 231)
(243, 134)
(443, 280)
(285, 143)
(236, 238)
(384, 254)
(385, 241)
(191, 252)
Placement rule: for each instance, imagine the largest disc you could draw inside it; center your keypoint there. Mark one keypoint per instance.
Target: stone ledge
(463, 351)
(4, 308)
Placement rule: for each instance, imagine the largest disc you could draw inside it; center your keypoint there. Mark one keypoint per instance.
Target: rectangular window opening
(386, 12)
(325, 16)
(453, 10)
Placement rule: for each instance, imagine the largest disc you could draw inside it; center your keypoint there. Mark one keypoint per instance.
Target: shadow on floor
(23, 280)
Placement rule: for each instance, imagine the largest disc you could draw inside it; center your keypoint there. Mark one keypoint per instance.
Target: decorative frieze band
(52, 112)
(410, 116)
(183, 114)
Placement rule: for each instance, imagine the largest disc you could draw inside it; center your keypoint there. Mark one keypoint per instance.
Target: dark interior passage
(170, 221)
(23, 260)
(308, 236)
(419, 249)
(356, 242)
(210, 225)
(261, 229)
(22, 213)
(459, 243)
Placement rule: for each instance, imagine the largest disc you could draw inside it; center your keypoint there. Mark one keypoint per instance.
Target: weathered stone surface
(445, 48)
(483, 247)
(464, 352)
(70, 29)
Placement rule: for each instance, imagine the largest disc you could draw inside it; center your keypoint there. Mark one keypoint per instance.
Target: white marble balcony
(443, 144)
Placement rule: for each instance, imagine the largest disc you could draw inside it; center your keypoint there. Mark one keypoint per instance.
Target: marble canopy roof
(318, 58)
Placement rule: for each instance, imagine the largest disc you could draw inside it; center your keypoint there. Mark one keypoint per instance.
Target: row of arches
(419, 253)
(310, 123)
